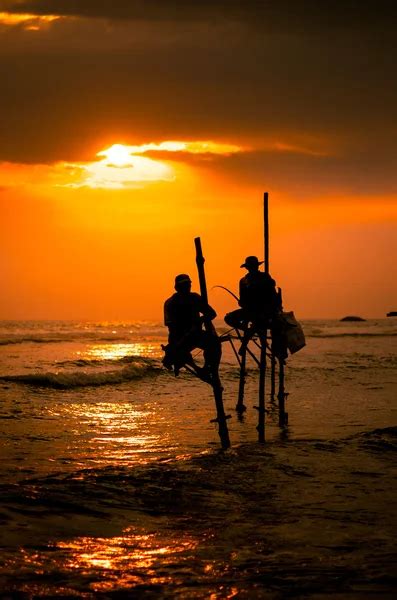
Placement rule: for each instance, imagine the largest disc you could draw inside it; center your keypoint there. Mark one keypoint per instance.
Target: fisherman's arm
(209, 313)
(169, 314)
(206, 310)
(242, 293)
(171, 321)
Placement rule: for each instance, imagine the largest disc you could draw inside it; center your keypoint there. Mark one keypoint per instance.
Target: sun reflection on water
(119, 351)
(127, 560)
(122, 564)
(118, 433)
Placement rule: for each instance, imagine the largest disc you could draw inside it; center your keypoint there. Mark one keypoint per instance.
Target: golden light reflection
(131, 440)
(108, 411)
(119, 351)
(224, 593)
(118, 433)
(126, 560)
(28, 21)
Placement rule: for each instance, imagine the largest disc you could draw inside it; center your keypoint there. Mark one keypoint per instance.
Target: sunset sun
(117, 155)
(121, 168)
(124, 166)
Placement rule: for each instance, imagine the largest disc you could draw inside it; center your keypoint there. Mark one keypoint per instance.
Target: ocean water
(113, 483)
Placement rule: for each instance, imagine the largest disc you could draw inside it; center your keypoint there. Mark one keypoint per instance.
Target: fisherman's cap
(251, 261)
(182, 278)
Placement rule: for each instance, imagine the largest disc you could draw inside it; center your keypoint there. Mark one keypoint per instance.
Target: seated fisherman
(259, 300)
(184, 314)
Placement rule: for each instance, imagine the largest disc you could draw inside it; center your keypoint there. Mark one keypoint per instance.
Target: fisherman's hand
(207, 317)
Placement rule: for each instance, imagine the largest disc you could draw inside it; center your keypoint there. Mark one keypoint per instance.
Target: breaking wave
(71, 379)
(98, 362)
(32, 339)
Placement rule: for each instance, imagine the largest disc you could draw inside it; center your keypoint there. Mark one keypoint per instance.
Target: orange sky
(247, 108)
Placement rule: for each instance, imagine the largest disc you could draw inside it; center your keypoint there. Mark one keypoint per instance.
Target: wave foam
(66, 380)
(31, 340)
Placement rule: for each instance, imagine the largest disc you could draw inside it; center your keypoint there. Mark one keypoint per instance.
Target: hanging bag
(291, 331)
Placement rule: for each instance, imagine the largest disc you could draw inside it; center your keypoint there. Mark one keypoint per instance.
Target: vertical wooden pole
(262, 389)
(263, 335)
(272, 376)
(266, 224)
(240, 407)
(221, 418)
(282, 415)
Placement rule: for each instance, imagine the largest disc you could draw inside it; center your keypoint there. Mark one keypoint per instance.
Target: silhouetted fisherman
(259, 301)
(184, 313)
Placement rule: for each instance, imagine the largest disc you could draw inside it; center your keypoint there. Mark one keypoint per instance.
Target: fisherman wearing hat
(184, 313)
(259, 300)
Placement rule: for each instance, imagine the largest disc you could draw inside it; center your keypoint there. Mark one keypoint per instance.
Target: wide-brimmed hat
(251, 261)
(182, 278)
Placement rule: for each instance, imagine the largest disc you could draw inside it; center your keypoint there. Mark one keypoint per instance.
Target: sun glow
(120, 169)
(117, 155)
(138, 170)
(120, 152)
(121, 166)
(26, 20)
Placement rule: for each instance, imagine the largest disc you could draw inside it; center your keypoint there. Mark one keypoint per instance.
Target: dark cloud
(79, 85)
(278, 15)
(366, 174)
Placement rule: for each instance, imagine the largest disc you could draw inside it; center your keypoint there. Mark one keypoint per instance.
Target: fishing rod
(227, 290)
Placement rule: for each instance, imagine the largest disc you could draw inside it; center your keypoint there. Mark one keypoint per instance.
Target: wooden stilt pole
(266, 266)
(263, 335)
(272, 376)
(240, 407)
(266, 227)
(221, 418)
(281, 395)
(262, 388)
(282, 414)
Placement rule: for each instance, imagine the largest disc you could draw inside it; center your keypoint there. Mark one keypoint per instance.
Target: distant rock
(392, 313)
(352, 318)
